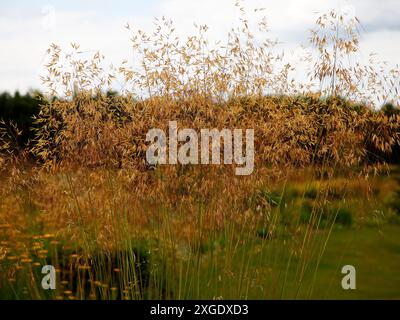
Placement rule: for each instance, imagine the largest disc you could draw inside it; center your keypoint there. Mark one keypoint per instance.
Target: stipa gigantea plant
(223, 85)
(336, 40)
(203, 238)
(9, 134)
(297, 131)
(12, 153)
(336, 68)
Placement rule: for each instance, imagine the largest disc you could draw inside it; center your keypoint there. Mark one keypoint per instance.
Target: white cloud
(26, 39)
(24, 36)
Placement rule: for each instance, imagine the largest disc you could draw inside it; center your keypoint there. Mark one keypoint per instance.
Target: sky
(28, 27)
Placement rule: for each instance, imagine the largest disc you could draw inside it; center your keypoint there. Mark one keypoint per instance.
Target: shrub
(394, 202)
(311, 193)
(344, 217)
(306, 212)
(20, 110)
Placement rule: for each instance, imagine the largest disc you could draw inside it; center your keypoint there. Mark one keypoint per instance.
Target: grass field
(374, 252)
(287, 241)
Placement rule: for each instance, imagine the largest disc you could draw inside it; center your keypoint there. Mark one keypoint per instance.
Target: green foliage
(306, 212)
(322, 217)
(264, 199)
(20, 110)
(391, 111)
(394, 202)
(344, 217)
(311, 193)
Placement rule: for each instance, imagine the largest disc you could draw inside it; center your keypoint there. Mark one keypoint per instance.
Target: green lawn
(375, 253)
(275, 273)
